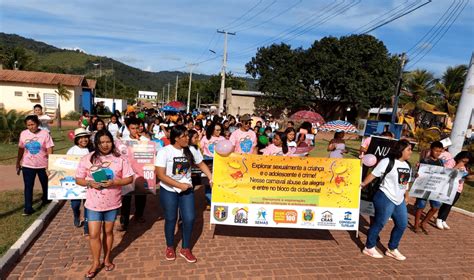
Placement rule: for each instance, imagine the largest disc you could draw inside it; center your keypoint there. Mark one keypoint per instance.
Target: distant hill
(47, 58)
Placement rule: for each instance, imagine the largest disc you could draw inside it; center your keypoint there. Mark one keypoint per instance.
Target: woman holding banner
(390, 200)
(104, 172)
(173, 166)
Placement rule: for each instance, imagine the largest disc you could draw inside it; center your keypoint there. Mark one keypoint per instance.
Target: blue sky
(165, 35)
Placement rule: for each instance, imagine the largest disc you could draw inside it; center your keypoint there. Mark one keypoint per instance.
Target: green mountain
(38, 56)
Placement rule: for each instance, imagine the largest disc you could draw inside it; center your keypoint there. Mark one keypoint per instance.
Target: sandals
(91, 274)
(109, 267)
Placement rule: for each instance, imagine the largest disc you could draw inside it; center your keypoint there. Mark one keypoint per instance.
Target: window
(18, 93)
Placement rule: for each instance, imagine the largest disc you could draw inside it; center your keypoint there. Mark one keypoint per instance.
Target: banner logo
(241, 215)
(220, 213)
(285, 216)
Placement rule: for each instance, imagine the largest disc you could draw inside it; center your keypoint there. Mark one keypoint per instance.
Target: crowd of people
(191, 140)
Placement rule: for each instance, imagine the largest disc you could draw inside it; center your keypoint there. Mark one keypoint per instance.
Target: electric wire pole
(398, 88)
(224, 65)
(190, 65)
(176, 89)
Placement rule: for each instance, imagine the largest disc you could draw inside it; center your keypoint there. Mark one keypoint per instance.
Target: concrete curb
(8, 260)
(462, 211)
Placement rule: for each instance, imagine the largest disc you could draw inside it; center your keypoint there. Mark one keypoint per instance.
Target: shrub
(11, 125)
(72, 116)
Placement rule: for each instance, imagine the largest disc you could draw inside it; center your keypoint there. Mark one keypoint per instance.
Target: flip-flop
(109, 267)
(91, 274)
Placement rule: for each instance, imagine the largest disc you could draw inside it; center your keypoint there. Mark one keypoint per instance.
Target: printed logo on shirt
(180, 165)
(33, 146)
(246, 144)
(403, 177)
(211, 147)
(98, 167)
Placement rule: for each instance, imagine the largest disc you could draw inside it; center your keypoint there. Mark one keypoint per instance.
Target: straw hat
(78, 132)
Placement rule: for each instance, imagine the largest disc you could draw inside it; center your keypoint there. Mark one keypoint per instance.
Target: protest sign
(61, 178)
(436, 183)
(141, 155)
(279, 191)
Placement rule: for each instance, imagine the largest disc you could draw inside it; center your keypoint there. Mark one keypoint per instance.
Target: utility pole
(164, 94)
(176, 89)
(168, 90)
(191, 65)
(224, 65)
(464, 111)
(113, 90)
(197, 101)
(403, 60)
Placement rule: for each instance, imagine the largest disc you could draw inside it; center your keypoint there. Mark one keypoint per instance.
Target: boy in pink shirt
(244, 139)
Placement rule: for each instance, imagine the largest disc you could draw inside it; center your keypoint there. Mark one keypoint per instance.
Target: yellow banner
(291, 181)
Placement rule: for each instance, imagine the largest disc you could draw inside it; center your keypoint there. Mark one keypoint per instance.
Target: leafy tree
(64, 94)
(18, 57)
(356, 69)
(419, 88)
(280, 77)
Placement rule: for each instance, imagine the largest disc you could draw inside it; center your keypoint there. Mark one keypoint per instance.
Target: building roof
(44, 78)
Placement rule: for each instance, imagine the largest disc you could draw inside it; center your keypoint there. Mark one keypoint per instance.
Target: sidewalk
(10, 181)
(228, 252)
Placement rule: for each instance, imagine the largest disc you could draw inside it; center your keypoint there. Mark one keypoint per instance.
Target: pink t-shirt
(209, 145)
(272, 150)
(243, 141)
(36, 148)
(115, 167)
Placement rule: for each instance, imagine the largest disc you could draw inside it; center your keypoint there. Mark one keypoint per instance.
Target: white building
(120, 104)
(147, 95)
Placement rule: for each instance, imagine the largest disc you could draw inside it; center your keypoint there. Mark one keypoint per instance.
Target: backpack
(375, 184)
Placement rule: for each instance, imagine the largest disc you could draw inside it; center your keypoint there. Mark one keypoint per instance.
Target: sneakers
(187, 255)
(439, 224)
(28, 213)
(445, 225)
(170, 254)
(77, 222)
(395, 254)
(372, 253)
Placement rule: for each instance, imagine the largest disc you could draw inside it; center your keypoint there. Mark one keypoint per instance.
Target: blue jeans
(76, 210)
(29, 176)
(384, 209)
(170, 202)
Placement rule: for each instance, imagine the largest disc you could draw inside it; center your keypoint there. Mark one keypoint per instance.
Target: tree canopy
(356, 70)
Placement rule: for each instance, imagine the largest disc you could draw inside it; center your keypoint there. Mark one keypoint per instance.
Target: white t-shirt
(113, 128)
(292, 144)
(44, 119)
(125, 132)
(177, 165)
(77, 151)
(395, 183)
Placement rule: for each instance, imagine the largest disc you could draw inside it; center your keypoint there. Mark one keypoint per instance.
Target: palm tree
(450, 88)
(419, 86)
(64, 94)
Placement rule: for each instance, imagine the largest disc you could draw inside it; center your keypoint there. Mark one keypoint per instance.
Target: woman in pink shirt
(104, 172)
(279, 146)
(208, 143)
(33, 149)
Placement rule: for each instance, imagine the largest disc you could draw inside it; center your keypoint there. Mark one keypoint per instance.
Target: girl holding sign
(173, 166)
(390, 200)
(104, 172)
(463, 159)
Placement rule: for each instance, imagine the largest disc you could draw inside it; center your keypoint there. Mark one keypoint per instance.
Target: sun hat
(78, 132)
(245, 118)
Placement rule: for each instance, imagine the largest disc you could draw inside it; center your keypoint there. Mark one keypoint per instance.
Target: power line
(397, 17)
(243, 15)
(432, 35)
(442, 35)
(257, 14)
(271, 18)
(381, 17)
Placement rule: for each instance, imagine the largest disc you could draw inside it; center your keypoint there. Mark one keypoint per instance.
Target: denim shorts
(102, 216)
(421, 203)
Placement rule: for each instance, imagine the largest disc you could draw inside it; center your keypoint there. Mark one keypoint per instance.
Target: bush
(11, 124)
(72, 116)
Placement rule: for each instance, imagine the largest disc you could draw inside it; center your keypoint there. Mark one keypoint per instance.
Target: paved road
(228, 252)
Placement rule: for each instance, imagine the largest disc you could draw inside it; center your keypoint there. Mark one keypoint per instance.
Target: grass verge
(12, 223)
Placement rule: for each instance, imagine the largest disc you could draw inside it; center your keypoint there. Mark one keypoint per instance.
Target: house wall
(9, 101)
